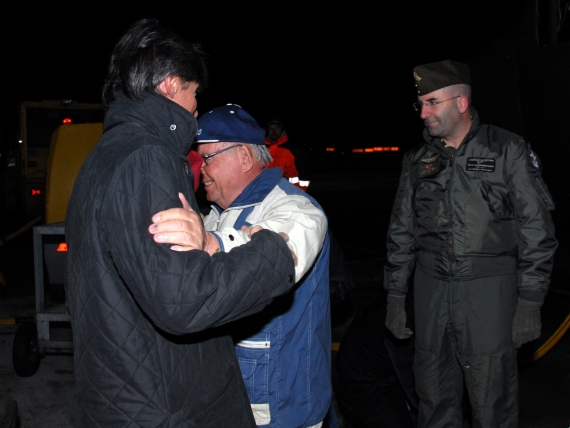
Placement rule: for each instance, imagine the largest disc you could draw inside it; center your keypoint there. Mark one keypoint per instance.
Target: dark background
(337, 73)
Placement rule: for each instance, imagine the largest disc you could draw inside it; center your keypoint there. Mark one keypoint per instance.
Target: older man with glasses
(471, 225)
(284, 352)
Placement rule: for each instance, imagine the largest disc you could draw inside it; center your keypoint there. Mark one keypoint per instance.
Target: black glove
(396, 317)
(526, 323)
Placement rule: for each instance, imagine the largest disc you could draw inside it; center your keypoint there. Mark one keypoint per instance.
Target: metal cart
(52, 330)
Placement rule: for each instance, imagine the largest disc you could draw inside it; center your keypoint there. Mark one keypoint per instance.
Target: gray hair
(261, 152)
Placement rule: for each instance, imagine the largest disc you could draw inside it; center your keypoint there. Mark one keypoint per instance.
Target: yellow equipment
(70, 145)
(30, 136)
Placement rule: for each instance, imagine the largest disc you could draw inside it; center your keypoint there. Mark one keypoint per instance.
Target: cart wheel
(25, 350)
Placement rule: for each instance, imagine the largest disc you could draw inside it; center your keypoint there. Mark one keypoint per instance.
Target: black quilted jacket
(148, 350)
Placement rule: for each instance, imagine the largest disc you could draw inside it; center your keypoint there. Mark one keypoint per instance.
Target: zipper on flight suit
(450, 204)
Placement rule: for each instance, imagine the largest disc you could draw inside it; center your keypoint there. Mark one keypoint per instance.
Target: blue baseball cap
(229, 124)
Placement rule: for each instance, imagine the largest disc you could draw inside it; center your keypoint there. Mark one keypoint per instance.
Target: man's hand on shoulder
(182, 227)
(256, 228)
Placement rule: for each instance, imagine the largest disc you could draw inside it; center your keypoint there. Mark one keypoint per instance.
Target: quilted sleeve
(304, 223)
(184, 292)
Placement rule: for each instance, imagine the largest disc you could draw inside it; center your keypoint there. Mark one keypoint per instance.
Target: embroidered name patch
(481, 164)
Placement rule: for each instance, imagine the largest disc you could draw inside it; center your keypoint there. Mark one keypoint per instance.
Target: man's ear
(463, 104)
(169, 86)
(246, 157)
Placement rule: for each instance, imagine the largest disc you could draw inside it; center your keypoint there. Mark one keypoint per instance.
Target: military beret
(437, 75)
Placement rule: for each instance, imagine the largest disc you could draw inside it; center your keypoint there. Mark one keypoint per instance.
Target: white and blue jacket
(284, 352)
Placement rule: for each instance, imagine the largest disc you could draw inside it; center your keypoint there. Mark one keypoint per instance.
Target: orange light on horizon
(330, 149)
(67, 121)
(376, 149)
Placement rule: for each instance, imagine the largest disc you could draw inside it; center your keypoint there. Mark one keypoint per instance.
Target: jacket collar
(175, 125)
(258, 189)
(281, 140)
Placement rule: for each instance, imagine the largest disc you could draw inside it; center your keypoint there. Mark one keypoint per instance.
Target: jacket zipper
(451, 215)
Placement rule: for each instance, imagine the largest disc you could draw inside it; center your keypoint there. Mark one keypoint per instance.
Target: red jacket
(196, 164)
(284, 158)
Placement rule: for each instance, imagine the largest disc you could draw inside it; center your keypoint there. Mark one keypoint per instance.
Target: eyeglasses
(208, 158)
(430, 104)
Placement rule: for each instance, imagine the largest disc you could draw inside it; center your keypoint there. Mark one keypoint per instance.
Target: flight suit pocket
(498, 203)
(544, 196)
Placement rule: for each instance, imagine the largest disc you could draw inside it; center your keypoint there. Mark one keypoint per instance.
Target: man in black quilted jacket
(150, 345)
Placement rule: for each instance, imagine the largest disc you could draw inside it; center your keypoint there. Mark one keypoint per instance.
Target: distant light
(19, 141)
(36, 192)
(330, 149)
(67, 121)
(61, 248)
(376, 149)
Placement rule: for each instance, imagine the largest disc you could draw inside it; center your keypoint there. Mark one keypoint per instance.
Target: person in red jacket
(290, 158)
(195, 161)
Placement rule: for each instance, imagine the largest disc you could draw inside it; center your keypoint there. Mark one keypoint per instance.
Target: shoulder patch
(534, 159)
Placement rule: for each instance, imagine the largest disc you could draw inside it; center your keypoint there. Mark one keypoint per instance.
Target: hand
(396, 317)
(253, 229)
(526, 322)
(182, 227)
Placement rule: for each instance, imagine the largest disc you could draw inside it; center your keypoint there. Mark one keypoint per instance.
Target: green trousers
(464, 341)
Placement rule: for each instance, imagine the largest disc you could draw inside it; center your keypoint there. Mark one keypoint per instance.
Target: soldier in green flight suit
(471, 226)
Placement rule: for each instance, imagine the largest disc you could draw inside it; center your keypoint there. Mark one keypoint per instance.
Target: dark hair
(277, 121)
(146, 55)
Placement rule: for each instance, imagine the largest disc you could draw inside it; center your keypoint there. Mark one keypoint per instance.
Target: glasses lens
(417, 106)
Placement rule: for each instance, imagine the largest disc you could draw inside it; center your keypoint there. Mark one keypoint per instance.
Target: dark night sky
(333, 73)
